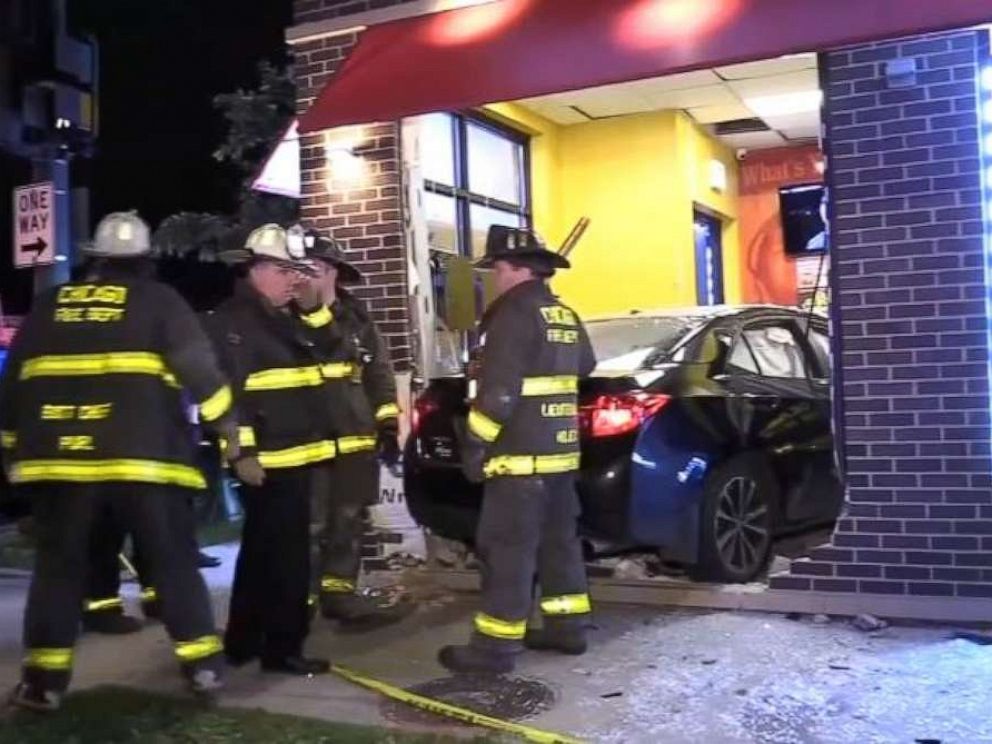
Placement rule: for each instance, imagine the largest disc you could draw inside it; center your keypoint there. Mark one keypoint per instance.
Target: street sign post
(34, 225)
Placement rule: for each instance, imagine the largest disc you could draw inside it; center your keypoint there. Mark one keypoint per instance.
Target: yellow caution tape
(451, 711)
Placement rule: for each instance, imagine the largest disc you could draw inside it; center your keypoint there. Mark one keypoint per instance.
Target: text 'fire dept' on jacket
(525, 413)
(92, 389)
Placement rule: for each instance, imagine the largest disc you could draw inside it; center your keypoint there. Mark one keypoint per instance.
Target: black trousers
(528, 526)
(159, 518)
(107, 541)
(268, 616)
(341, 492)
(103, 581)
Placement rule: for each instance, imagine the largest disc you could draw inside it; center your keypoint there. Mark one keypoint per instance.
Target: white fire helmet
(120, 235)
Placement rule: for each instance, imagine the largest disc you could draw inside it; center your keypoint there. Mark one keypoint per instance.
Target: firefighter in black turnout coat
(363, 397)
(285, 430)
(92, 420)
(523, 442)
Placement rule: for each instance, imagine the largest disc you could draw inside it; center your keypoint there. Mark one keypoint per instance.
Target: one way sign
(34, 225)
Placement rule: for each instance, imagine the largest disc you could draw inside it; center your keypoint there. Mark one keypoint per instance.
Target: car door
(771, 371)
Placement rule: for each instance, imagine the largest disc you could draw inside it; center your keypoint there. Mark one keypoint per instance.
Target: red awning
(511, 49)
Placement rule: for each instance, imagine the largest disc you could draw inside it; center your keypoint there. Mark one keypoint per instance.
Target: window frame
(811, 364)
(462, 194)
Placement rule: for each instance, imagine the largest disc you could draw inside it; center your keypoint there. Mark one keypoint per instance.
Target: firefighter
(522, 441)
(367, 421)
(285, 430)
(91, 418)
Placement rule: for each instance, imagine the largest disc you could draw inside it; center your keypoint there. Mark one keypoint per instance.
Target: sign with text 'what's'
(34, 225)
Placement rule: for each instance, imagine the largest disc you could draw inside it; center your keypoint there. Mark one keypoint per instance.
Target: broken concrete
(652, 675)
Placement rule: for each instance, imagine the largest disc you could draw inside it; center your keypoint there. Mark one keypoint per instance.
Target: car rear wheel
(736, 521)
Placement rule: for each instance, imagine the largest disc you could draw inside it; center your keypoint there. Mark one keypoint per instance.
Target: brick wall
(305, 11)
(365, 214)
(911, 323)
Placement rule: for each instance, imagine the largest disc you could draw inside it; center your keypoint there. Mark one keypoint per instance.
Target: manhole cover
(508, 698)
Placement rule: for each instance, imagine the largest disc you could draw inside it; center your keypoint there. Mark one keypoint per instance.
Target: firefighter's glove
(250, 471)
(473, 452)
(388, 448)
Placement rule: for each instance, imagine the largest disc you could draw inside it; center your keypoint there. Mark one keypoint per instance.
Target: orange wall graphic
(767, 274)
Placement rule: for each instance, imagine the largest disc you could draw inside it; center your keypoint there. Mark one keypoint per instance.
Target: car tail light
(423, 407)
(609, 415)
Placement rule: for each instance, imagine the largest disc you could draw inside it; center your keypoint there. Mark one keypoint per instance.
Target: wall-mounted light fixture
(343, 149)
(718, 176)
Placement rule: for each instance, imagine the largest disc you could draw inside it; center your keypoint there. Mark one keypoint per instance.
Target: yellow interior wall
(546, 199)
(636, 178)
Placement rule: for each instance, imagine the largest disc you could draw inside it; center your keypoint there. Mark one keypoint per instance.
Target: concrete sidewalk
(651, 675)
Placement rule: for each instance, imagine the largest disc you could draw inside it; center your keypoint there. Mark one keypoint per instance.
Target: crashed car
(705, 436)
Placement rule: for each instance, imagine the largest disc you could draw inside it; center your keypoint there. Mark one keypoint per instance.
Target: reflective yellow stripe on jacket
(294, 457)
(52, 659)
(482, 426)
(8, 439)
(531, 465)
(318, 318)
(217, 404)
(387, 411)
(111, 363)
(533, 387)
(97, 471)
(348, 445)
(282, 378)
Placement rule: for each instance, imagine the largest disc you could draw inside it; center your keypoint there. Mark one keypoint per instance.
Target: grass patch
(114, 715)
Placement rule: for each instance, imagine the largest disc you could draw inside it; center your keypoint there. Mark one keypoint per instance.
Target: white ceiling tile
(753, 140)
(772, 85)
(767, 67)
(710, 95)
(714, 114)
(679, 81)
(802, 133)
(601, 108)
(805, 120)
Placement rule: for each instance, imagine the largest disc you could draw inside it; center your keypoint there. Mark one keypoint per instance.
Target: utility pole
(60, 123)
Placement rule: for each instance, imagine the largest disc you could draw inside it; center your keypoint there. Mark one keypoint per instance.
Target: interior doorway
(707, 235)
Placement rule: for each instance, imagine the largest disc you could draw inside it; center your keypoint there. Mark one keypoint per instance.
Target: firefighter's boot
(474, 659)
(570, 641)
(31, 697)
(358, 612)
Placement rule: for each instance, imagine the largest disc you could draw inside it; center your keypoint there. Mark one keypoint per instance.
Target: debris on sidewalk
(869, 623)
(821, 619)
(972, 636)
(631, 569)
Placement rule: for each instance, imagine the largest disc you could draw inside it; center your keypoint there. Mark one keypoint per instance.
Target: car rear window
(627, 343)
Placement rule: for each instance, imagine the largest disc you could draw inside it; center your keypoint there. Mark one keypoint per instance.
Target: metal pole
(56, 170)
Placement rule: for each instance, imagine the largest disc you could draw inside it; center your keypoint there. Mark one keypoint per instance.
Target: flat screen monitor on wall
(804, 226)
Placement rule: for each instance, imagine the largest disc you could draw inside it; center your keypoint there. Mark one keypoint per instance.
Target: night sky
(161, 64)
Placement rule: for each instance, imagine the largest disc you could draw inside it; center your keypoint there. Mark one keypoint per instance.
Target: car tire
(737, 517)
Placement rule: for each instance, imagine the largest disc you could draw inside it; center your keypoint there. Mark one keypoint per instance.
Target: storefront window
(438, 149)
(480, 168)
(442, 222)
(494, 165)
(482, 218)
